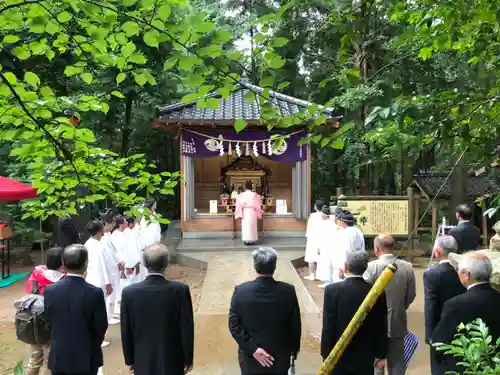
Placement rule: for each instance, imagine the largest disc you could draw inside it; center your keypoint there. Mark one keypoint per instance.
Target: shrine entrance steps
(215, 349)
(227, 244)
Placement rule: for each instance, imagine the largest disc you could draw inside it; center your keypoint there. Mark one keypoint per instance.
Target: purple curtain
(197, 144)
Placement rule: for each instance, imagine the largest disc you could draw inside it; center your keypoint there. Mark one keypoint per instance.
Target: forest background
(417, 83)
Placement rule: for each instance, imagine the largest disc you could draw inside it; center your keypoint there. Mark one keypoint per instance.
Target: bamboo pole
(329, 363)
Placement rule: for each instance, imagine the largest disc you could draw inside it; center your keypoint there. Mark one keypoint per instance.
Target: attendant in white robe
(350, 239)
(313, 235)
(132, 254)
(117, 240)
(112, 263)
(329, 240)
(97, 273)
(149, 229)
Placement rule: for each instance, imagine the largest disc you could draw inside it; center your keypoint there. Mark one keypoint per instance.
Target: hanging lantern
(238, 149)
(263, 148)
(255, 149)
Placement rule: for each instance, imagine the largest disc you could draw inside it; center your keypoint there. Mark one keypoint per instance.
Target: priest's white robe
(132, 255)
(112, 266)
(313, 235)
(97, 273)
(350, 239)
(328, 233)
(149, 231)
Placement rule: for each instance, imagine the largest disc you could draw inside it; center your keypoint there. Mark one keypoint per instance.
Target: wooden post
(416, 202)
(484, 221)
(340, 191)
(434, 220)
(411, 216)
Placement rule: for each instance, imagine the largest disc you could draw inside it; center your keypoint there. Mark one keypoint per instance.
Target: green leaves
(239, 125)
(151, 38)
(131, 28)
(10, 39)
(164, 12)
(64, 17)
(120, 77)
(277, 62)
(87, 78)
(11, 78)
(31, 79)
(141, 79)
(205, 27)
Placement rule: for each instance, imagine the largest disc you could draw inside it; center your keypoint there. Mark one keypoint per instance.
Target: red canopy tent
(11, 190)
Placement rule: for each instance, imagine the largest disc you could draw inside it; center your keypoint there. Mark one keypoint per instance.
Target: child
(42, 276)
(312, 234)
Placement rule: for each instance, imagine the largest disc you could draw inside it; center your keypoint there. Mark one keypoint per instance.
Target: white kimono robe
(350, 239)
(149, 232)
(313, 234)
(131, 255)
(112, 264)
(97, 273)
(328, 233)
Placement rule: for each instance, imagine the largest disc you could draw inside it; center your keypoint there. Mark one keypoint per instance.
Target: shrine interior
(209, 180)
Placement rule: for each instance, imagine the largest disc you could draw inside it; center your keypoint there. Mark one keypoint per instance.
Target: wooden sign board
(380, 216)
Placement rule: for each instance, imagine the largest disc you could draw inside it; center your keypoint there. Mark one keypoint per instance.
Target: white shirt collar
(463, 221)
(353, 276)
(384, 256)
(444, 261)
(476, 284)
(75, 275)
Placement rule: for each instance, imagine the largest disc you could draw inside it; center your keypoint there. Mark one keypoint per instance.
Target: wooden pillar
(416, 202)
(340, 191)
(434, 220)
(411, 216)
(484, 221)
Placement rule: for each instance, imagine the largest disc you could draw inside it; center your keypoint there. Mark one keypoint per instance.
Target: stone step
(210, 245)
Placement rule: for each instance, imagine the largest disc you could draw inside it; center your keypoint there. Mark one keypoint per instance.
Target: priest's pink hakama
(249, 210)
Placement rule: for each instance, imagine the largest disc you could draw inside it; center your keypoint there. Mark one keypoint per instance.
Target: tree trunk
(458, 183)
(126, 125)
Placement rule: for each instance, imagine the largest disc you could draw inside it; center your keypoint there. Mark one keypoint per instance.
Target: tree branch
(58, 145)
(18, 5)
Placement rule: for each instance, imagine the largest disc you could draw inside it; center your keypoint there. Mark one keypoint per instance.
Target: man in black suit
(157, 324)
(441, 283)
(264, 319)
(368, 348)
(467, 234)
(479, 301)
(76, 312)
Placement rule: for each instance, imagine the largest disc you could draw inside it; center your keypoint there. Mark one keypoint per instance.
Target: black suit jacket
(440, 284)
(265, 314)
(467, 235)
(341, 302)
(67, 233)
(76, 312)
(480, 301)
(157, 326)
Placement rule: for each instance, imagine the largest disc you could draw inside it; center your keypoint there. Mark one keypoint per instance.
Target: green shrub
(475, 349)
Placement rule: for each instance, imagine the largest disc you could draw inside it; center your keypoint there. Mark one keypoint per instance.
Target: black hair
(318, 205)
(120, 219)
(53, 259)
(248, 185)
(130, 219)
(107, 216)
(74, 257)
(148, 203)
(465, 211)
(94, 227)
(325, 210)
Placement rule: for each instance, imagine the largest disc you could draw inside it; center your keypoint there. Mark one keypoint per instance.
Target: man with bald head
(400, 293)
(157, 326)
(479, 301)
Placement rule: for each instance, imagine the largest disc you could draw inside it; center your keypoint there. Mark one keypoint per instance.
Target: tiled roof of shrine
(477, 186)
(235, 107)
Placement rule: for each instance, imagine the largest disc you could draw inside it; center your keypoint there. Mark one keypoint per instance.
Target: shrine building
(216, 162)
